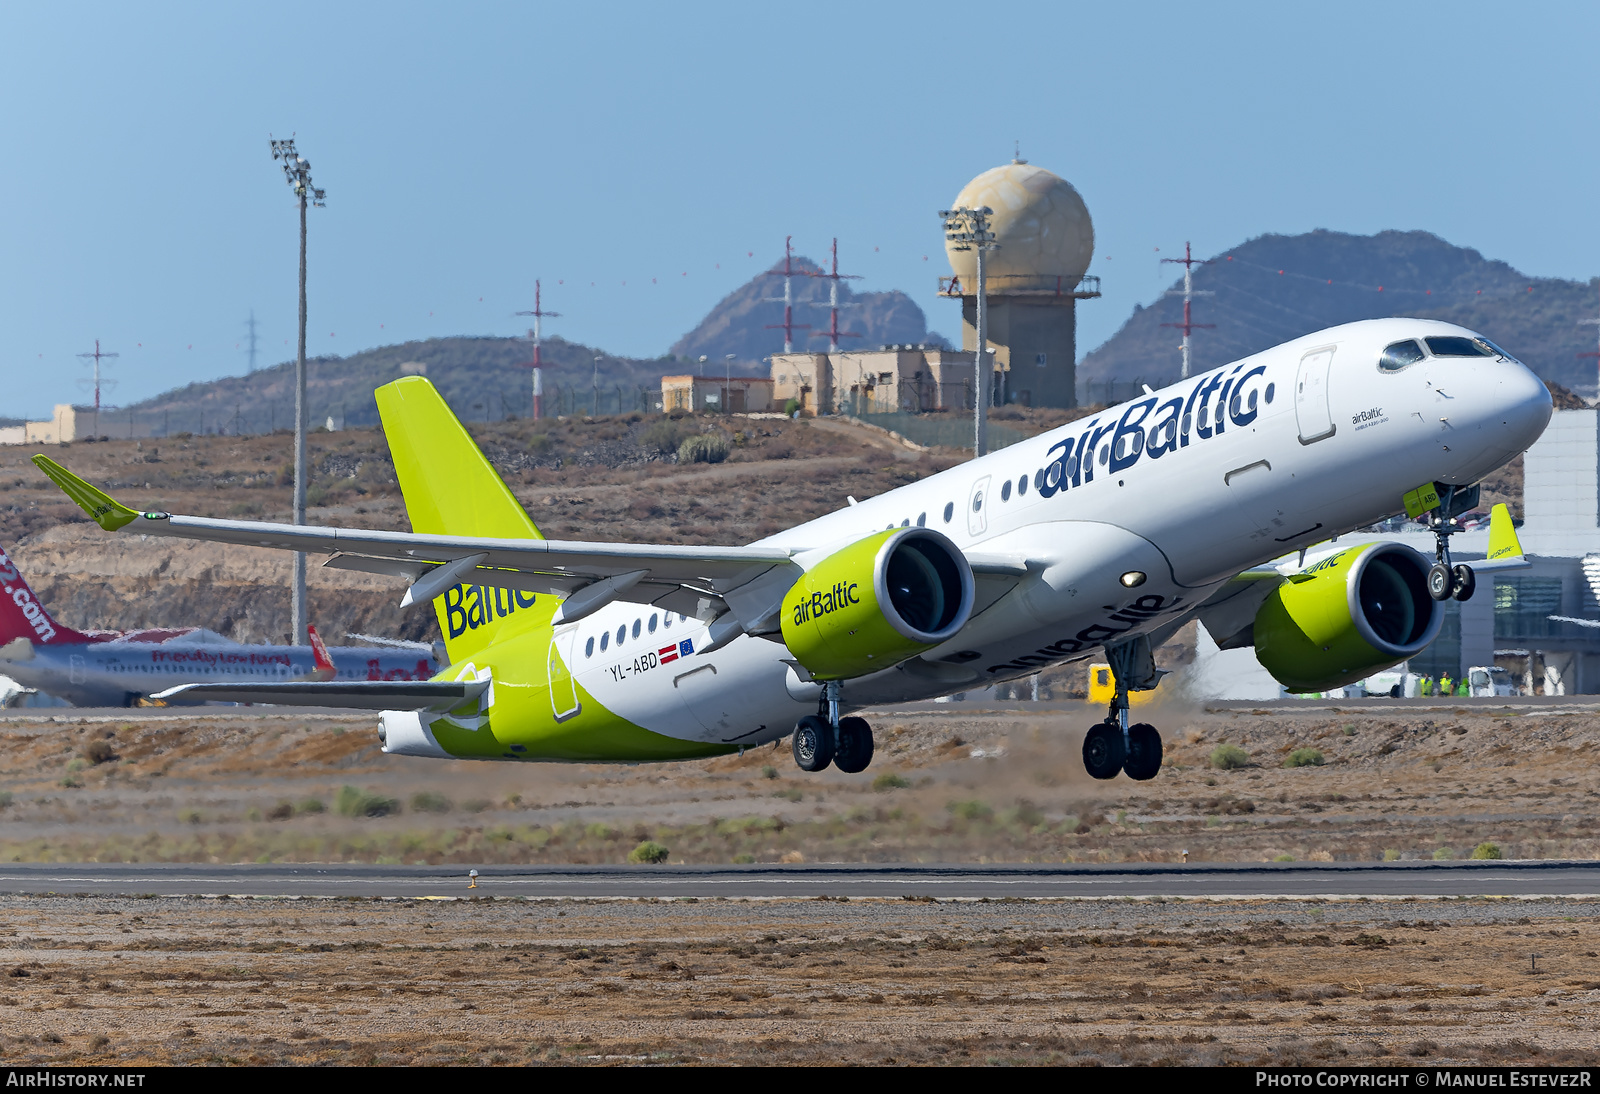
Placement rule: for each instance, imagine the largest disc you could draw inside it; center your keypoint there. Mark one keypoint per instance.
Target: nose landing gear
(1113, 745)
(823, 738)
(1447, 580)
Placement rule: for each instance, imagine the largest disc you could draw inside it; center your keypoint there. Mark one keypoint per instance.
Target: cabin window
(1399, 355)
(652, 624)
(1022, 485)
(666, 619)
(638, 625)
(588, 647)
(605, 640)
(922, 520)
(949, 511)
(1271, 388)
(622, 632)
(1005, 491)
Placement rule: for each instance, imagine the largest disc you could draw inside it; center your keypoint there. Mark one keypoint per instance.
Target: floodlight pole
(298, 173)
(968, 229)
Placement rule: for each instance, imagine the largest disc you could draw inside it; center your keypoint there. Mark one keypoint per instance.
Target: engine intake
(1347, 616)
(877, 602)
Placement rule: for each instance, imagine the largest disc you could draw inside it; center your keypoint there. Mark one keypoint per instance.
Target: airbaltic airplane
(118, 668)
(1108, 533)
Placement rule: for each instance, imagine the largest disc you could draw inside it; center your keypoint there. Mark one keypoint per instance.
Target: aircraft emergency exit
(1108, 533)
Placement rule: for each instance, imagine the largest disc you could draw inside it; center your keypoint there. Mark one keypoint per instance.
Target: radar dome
(1040, 223)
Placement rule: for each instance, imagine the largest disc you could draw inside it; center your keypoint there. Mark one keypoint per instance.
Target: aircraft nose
(1524, 406)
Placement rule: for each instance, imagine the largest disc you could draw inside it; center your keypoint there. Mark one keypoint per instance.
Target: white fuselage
(1189, 486)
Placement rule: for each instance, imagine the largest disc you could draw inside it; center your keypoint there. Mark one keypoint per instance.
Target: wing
(360, 694)
(742, 586)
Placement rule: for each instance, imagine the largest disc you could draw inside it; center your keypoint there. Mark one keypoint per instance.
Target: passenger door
(563, 687)
(1311, 396)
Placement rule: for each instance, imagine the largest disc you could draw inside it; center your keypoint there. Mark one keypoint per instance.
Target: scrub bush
(706, 448)
(1487, 850)
(311, 805)
(1304, 757)
(890, 781)
(1443, 854)
(1229, 757)
(100, 751)
(353, 802)
(971, 810)
(428, 802)
(649, 851)
(663, 437)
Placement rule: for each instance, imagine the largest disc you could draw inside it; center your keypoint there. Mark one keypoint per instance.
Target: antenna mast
(251, 325)
(97, 357)
(833, 332)
(1188, 262)
(537, 363)
(788, 326)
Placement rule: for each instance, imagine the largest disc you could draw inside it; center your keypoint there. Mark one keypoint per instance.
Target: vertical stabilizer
(22, 616)
(451, 489)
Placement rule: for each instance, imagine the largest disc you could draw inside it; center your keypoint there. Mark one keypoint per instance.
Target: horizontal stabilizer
(358, 694)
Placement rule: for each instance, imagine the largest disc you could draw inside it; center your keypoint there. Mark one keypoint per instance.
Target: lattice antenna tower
(1593, 323)
(537, 363)
(788, 326)
(250, 325)
(1188, 262)
(98, 382)
(833, 332)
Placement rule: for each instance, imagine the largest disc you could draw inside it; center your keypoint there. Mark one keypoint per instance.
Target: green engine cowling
(877, 602)
(1354, 613)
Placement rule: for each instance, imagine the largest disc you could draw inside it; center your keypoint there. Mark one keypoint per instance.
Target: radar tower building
(1034, 280)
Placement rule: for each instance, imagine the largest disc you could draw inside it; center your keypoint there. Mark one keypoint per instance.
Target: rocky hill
(744, 321)
(1274, 288)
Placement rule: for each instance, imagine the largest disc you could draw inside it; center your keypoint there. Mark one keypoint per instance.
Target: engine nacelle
(1342, 619)
(877, 602)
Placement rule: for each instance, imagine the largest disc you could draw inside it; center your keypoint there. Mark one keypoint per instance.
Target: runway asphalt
(1520, 880)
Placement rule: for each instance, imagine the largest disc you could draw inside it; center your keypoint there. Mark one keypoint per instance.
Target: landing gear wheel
(812, 743)
(1466, 582)
(855, 745)
(1144, 755)
(1440, 581)
(1103, 752)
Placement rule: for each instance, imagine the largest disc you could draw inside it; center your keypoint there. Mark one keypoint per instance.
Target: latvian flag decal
(672, 653)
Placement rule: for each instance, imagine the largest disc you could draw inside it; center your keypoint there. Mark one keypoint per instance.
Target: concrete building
(68, 424)
(1035, 278)
(733, 395)
(897, 378)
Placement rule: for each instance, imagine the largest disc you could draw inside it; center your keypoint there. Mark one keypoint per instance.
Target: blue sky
(645, 159)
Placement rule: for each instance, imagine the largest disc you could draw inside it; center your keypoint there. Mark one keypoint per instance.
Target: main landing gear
(1447, 580)
(823, 738)
(1113, 745)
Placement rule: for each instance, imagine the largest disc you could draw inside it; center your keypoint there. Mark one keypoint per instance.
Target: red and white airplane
(118, 668)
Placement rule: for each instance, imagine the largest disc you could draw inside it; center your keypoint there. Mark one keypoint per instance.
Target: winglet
(1503, 542)
(105, 512)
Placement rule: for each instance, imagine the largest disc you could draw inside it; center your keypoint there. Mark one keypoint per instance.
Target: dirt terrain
(118, 981)
(1002, 784)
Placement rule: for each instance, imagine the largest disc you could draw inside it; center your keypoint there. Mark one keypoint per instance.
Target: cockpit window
(1498, 352)
(1459, 347)
(1399, 355)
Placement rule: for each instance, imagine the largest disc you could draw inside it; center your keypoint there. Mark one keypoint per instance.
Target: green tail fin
(451, 489)
(1503, 541)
